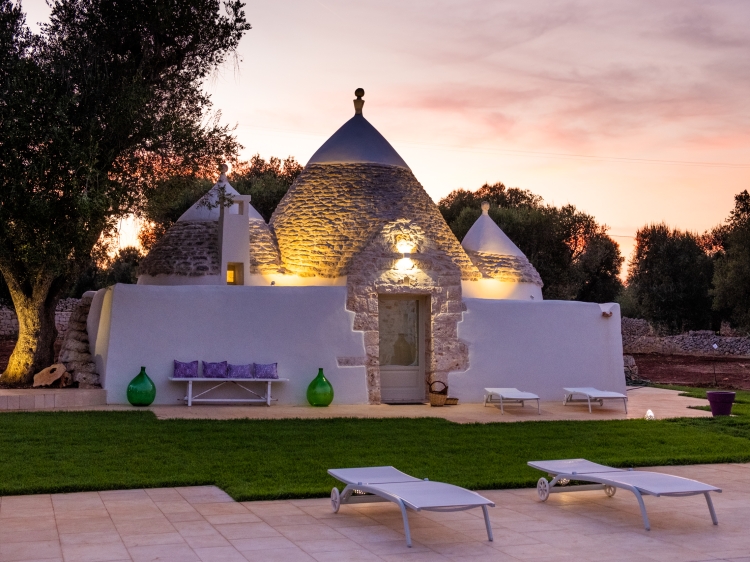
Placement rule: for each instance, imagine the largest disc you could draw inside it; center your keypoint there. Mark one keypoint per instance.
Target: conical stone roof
(354, 185)
(190, 248)
(495, 255)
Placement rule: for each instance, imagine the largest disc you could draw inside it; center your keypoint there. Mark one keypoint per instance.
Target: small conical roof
(357, 142)
(485, 236)
(206, 209)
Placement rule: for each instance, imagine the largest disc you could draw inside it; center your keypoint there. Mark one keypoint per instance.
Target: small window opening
(235, 274)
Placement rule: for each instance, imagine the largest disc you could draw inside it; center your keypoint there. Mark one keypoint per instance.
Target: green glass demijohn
(320, 391)
(141, 390)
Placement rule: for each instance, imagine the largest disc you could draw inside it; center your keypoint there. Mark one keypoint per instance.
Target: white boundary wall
(300, 328)
(539, 347)
(534, 346)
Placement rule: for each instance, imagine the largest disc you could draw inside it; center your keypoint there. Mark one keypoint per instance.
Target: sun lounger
(386, 484)
(593, 394)
(506, 395)
(606, 478)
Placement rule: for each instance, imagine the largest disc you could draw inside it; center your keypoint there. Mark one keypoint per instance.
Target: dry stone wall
(639, 337)
(75, 352)
(9, 321)
(378, 270)
(332, 211)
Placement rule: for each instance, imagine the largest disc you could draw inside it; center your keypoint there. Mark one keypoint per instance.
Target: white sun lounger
(593, 394)
(506, 395)
(606, 478)
(386, 484)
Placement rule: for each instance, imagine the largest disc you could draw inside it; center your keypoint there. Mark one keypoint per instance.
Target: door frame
(423, 324)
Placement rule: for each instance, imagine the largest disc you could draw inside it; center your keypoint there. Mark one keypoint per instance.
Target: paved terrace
(203, 524)
(664, 404)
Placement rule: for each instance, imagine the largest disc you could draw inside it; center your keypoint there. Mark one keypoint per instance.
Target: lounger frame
(361, 492)
(488, 399)
(600, 481)
(592, 397)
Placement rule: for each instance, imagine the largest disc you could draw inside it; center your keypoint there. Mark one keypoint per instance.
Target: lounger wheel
(542, 489)
(335, 500)
(610, 490)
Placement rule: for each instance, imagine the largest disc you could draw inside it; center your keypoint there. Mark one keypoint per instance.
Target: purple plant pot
(721, 402)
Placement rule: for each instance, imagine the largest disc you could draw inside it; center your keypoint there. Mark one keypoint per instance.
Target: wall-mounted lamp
(404, 246)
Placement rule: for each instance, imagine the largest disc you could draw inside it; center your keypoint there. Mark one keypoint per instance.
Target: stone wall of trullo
(375, 271)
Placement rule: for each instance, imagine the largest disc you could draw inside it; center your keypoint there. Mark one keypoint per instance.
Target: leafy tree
(731, 279)
(103, 100)
(166, 201)
(670, 278)
(570, 250)
(265, 182)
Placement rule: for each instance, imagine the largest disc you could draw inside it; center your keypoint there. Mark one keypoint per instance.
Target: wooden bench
(258, 398)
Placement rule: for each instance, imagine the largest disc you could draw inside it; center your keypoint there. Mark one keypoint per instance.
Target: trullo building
(357, 273)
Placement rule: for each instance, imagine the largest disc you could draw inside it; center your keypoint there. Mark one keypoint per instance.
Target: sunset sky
(634, 111)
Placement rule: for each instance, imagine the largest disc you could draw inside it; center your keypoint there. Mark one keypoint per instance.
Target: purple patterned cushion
(215, 370)
(266, 371)
(185, 370)
(240, 371)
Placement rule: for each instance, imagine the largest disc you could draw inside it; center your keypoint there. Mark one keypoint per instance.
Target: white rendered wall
(539, 347)
(171, 280)
(300, 328)
(494, 289)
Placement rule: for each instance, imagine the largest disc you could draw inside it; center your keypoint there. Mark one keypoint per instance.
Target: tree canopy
(731, 244)
(104, 100)
(265, 181)
(571, 251)
(670, 278)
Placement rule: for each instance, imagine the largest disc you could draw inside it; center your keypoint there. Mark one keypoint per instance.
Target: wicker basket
(438, 397)
(450, 401)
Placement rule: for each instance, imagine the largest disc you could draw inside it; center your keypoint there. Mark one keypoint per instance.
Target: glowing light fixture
(404, 246)
(404, 264)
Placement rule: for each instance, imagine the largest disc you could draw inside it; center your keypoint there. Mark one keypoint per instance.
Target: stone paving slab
(664, 403)
(204, 524)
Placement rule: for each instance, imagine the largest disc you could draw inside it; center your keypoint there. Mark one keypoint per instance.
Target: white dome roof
(202, 213)
(485, 236)
(357, 142)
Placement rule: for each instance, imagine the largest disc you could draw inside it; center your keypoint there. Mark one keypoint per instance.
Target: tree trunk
(35, 348)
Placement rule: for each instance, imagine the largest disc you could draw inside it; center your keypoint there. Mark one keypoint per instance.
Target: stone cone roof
(189, 248)
(495, 255)
(357, 142)
(333, 210)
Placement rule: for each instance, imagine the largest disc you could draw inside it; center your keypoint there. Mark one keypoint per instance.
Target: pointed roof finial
(359, 102)
(223, 169)
(485, 207)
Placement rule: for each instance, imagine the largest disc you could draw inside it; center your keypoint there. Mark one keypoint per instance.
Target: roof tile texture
(333, 210)
(187, 248)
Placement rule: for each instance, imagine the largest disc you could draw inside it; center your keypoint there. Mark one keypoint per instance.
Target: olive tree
(106, 98)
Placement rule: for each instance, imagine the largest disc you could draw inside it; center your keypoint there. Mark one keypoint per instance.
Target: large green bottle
(320, 391)
(141, 390)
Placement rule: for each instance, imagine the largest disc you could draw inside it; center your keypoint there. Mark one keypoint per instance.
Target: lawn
(267, 459)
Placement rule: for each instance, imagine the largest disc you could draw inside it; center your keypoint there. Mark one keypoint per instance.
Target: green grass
(268, 459)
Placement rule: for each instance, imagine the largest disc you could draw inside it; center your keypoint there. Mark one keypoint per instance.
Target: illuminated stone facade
(429, 272)
(332, 212)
